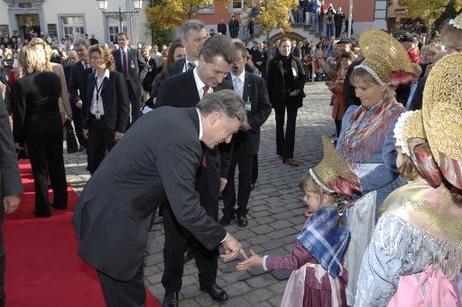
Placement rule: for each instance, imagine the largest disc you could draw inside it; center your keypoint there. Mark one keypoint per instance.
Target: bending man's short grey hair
(226, 102)
(191, 24)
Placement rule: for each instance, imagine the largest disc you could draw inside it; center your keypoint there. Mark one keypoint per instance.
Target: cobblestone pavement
(275, 215)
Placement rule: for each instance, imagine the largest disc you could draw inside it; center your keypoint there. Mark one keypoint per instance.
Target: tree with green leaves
(275, 14)
(165, 15)
(431, 10)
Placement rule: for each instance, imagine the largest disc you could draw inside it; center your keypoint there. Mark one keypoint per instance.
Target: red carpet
(42, 266)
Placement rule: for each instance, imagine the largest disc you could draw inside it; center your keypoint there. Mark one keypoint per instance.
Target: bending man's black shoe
(241, 220)
(217, 293)
(170, 299)
(226, 219)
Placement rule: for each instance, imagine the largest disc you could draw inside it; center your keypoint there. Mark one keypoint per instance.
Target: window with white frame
(73, 25)
(114, 27)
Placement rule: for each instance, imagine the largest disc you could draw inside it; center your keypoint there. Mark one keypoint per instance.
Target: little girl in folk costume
(318, 278)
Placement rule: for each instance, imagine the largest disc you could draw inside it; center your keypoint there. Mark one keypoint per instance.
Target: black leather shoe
(290, 162)
(226, 219)
(59, 207)
(216, 293)
(242, 221)
(188, 255)
(170, 299)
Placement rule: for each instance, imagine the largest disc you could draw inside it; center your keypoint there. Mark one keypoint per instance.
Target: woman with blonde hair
(64, 105)
(106, 106)
(37, 125)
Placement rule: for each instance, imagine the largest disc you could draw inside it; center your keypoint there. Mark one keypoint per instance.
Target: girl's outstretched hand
(253, 261)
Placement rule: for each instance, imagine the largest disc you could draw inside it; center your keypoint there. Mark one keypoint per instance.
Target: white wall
(93, 18)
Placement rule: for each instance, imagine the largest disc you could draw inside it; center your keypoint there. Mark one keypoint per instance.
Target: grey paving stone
(258, 295)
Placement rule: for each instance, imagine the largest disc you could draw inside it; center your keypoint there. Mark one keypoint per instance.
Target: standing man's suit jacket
(159, 155)
(137, 68)
(177, 67)
(78, 82)
(10, 180)
(180, 91)
(255, 91)
(115, 101)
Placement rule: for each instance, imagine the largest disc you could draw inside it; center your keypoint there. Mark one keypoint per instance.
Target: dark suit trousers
(178, 238)
(243, 159)
(100, 142)
(123, 293)
(46, 157)
(77, 119)
(285, 142)
(135, 102)
(255, 169)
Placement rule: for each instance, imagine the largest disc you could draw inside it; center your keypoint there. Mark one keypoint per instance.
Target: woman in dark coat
(285, 80)
(106, 107)
(37, 124)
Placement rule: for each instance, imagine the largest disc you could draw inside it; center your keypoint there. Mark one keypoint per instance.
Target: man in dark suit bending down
(10, 184)
(215, 60)
(252, 89)
(133, 66)
(116, 208)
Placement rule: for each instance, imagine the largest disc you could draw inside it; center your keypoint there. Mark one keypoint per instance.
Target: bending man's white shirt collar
(200, 124)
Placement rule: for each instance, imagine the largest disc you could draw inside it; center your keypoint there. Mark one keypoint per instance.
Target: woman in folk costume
(318, 279)
(366, 140)
(421, 228)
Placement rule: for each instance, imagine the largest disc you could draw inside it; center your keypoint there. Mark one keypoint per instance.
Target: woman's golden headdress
(383, 55)
(442, 116)
(409, 125)
(333, 173)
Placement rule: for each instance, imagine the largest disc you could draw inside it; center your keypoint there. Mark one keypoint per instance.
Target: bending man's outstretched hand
(233, 249)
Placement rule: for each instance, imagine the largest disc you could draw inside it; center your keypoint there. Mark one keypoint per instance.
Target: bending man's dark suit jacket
(10, 181)
(115, 210)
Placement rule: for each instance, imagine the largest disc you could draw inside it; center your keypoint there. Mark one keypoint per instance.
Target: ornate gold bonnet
(331, 168)
(383, 55)
(442, 115)
(409, 125)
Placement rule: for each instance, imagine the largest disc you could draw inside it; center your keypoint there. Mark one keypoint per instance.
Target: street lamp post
(350, 18)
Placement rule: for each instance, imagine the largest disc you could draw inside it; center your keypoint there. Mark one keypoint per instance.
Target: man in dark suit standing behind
(158, 157)
(233, 27)
(215, 60)
(192, 34)
(10, 184)
(221, 27)
(133, 66)
(252, 90)
(77, 87)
